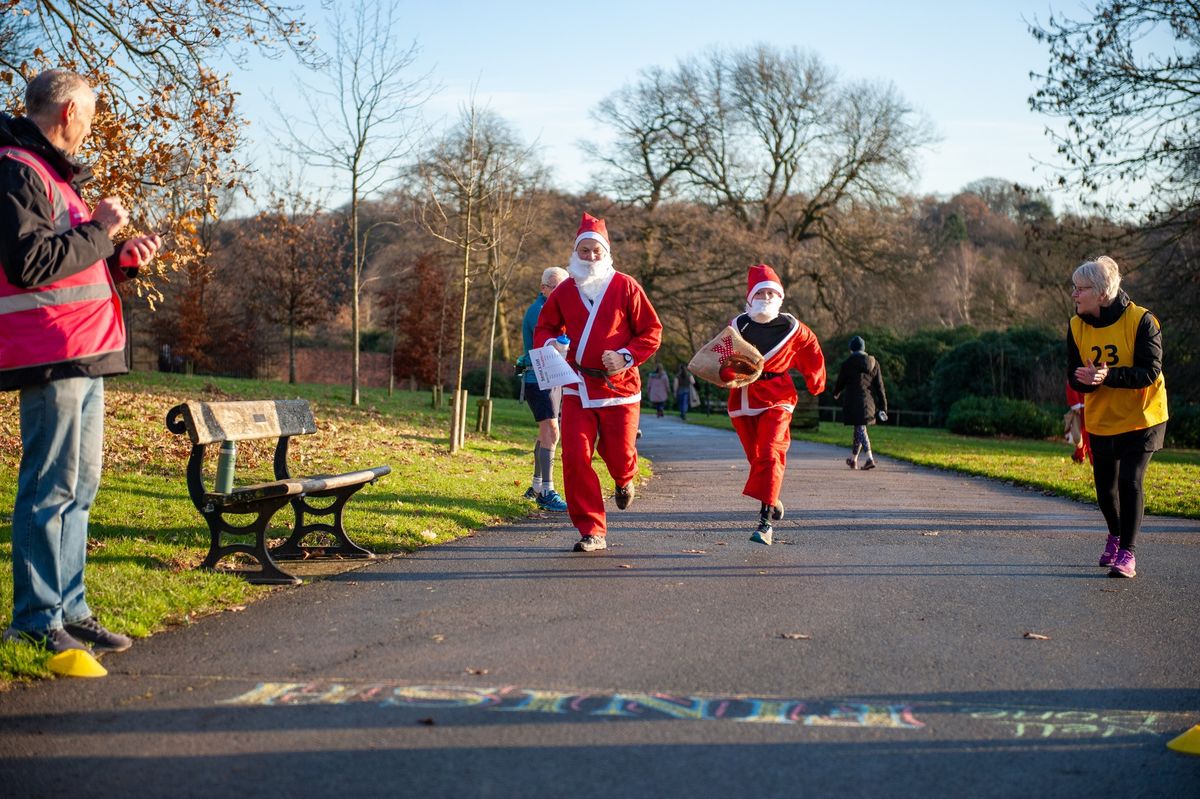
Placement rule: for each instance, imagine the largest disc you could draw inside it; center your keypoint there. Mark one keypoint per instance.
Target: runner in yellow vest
(1114, 357)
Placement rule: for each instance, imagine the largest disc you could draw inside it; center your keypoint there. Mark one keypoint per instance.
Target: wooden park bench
(208, 423)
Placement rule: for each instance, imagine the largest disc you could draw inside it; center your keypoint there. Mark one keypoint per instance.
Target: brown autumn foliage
(288, 261)
(166, 125)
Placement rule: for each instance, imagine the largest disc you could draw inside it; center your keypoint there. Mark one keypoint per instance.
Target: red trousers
(616, 426)
(765, 439)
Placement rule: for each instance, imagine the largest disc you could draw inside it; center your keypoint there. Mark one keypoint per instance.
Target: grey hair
(52, 88)
(1103, 274)
(554, 271)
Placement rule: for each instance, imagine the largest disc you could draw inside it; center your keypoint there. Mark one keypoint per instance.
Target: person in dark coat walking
(860, 387)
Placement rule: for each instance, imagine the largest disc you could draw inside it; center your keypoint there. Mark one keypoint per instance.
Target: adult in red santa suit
(613, 329)
(762, 411)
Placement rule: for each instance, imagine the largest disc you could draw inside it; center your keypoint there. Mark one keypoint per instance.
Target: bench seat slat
(329, 482)
(295, 486)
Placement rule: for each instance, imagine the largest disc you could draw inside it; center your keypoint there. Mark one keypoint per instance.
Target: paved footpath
(876, 649)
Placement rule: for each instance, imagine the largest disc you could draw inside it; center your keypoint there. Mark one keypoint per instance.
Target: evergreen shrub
(1183, 428)
(990, 416)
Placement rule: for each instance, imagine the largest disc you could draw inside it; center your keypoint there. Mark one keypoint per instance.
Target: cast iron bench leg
(270, 573)
(292, 550)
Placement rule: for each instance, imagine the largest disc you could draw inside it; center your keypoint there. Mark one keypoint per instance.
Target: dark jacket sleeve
(32, 252)
(840, 385)
(1074, 361)
(877, 387)
(1147, 358)
(120, 273)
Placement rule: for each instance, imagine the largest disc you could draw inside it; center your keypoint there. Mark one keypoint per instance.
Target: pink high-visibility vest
(72, 318)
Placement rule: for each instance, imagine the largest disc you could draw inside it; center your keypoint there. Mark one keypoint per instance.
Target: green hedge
(504, 384)
(990, 416)
(1183, 428)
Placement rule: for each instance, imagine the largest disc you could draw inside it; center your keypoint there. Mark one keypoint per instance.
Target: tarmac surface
(877, 649)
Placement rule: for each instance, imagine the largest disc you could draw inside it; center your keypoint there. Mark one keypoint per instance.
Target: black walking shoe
(56, 641)
(624, 495)
(91, 631)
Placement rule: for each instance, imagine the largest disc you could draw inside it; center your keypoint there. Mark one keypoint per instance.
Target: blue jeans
(683, 398)
(62, 440)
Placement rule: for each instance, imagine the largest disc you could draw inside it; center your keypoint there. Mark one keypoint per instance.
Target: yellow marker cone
(1188, 742)
(76, 663)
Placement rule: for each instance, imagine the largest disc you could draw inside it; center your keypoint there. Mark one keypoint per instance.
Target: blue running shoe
(551, 501)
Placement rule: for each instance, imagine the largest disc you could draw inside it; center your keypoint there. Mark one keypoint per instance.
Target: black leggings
(1119, 491)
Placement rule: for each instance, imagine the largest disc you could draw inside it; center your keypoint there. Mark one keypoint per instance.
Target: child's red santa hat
(762, 276)
(593, 228)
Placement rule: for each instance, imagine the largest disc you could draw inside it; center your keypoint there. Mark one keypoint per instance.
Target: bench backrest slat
(212, 422)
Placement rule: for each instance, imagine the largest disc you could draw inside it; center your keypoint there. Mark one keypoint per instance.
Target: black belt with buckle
(770, 375)
(600, 373)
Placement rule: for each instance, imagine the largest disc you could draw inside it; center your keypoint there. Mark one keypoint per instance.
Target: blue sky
(542, 65)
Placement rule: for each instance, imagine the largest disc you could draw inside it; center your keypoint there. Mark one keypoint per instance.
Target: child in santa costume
(1076, 427)
(613, 329)
(761, 412)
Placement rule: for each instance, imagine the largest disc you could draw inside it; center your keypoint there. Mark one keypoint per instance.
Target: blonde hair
(1103, 274)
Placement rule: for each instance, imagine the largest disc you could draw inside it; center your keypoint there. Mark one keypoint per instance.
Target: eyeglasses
(1080, 289)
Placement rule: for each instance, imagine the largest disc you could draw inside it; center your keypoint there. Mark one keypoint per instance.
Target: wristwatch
(628, 359)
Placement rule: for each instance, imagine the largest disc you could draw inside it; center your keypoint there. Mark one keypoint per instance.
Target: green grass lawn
(146, 537)
(1172, 481)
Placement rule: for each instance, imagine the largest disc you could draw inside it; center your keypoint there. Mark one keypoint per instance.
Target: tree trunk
(355, 267)
(456, 436)
(491, 347)
(292, 351)
(505, 342)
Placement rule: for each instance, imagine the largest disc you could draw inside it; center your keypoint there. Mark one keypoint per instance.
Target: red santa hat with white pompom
(762, 276)
(593, 228)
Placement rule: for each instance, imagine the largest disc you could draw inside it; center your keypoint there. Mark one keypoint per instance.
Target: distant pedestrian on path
(545, 403)
(761, 412)
(613, 330)
(860, 387)
(685, 390)
(61, 334)
(658, 384)
(1114, 358)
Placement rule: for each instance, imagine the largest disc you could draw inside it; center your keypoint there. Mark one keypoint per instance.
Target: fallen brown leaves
(1036, 636)
(795, 636)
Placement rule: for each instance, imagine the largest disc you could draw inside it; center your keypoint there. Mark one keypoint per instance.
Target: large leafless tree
(362, 114)
(773, 141)
(479, 182)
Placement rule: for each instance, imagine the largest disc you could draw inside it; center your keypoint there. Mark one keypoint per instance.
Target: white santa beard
(591, 276)
(768, 314)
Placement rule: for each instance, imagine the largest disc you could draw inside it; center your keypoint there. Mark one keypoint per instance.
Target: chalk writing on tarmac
(622, 705)
(1027, 723)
